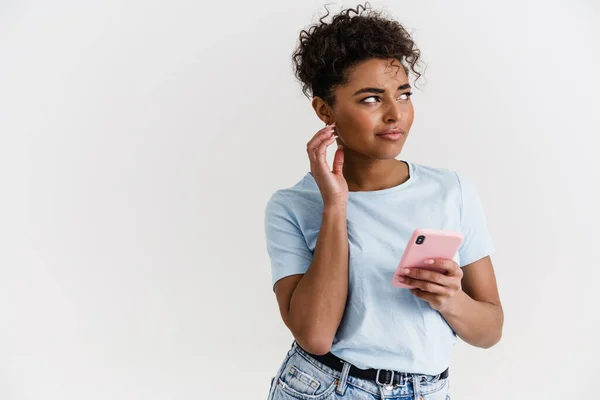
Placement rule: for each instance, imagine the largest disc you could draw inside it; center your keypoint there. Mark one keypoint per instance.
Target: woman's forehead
(376, 73)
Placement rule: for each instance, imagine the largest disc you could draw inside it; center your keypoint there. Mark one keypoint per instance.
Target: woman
(336, 236)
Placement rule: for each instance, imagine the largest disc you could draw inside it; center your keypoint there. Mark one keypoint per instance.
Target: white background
(140, 141)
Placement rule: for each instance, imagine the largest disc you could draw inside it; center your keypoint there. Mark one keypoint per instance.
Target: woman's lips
(391, 136)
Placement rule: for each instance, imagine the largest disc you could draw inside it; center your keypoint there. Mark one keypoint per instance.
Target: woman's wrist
(334, 208)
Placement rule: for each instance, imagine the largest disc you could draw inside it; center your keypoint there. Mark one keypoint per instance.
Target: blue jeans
(302, 377)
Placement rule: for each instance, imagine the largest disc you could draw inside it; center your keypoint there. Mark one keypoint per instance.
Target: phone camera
(420, 239)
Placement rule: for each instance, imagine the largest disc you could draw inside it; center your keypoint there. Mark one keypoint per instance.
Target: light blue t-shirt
(383, 326)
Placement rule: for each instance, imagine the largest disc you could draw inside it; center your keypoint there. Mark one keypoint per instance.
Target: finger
(313, 152)
(338, 160)
(428, 297)
(421, 294)
(425, 275)
(449, 267)
(425, 285)
(321, 152)
(325, 128)
(318, 139)
(322, 131)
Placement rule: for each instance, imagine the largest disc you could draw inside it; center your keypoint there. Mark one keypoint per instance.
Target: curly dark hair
(326, 52)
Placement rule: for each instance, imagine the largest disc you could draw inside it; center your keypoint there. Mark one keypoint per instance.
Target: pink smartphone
(424, 244)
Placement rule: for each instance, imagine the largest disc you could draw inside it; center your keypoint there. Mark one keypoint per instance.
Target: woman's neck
(368, 175)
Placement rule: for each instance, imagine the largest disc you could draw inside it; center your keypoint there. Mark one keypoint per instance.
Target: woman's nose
(394, 112)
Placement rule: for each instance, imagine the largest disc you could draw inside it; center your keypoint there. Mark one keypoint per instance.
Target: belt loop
(403, 379)
(416, 380)
(341, 386)
(381, 391)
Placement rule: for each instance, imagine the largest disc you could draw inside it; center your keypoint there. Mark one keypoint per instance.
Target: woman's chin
(389, 154)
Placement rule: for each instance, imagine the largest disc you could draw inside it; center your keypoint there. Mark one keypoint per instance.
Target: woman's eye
(407, 94)
(403, 96)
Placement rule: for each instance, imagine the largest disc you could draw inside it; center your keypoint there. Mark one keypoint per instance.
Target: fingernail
(429, 261)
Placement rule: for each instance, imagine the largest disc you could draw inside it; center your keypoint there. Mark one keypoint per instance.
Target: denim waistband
(412, 381)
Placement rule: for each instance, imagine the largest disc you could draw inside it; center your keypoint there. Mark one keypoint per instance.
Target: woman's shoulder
(306, 184)
(295, 195)
(428, 172)
(451, 179)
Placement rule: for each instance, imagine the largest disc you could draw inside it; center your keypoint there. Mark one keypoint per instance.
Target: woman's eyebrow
(377, 90)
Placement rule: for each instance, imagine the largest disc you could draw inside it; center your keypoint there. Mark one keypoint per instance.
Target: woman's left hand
(437, 288)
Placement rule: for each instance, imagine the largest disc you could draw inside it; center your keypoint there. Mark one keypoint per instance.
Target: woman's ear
(322, 110)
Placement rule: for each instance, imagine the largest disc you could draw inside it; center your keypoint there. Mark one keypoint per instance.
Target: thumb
(338, 160)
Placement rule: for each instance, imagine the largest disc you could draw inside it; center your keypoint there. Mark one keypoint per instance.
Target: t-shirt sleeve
(286, 245)
(477, 241)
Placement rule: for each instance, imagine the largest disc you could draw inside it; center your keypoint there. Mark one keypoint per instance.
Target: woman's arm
(476, 313)
(312, 305)
(474, 310)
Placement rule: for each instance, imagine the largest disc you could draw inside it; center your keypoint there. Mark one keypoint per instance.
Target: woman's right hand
(332, 184)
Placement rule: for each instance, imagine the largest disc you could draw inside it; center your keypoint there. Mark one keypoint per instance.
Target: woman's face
(375, 99)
